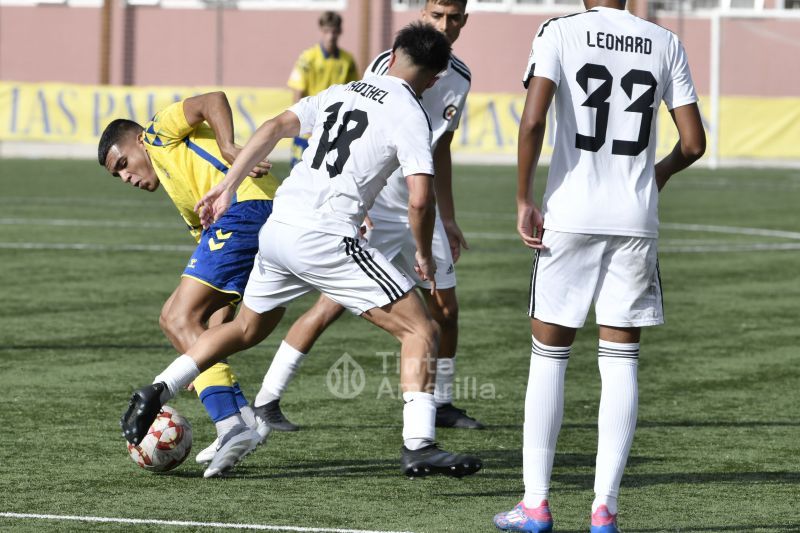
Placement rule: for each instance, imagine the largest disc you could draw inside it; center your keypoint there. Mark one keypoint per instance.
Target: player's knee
(446, 316)
(175, 323)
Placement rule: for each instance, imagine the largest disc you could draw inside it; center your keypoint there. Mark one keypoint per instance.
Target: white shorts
(619, 274)
(396, 243)
(292, 261)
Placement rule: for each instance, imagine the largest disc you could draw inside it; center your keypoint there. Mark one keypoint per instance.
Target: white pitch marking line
(85, 223)
(66, 222)
(186, 523)
(97, 247)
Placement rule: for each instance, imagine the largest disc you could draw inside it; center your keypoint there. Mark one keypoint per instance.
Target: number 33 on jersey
(612, 70)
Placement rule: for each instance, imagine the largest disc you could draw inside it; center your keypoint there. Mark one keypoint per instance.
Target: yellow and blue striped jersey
(188, 164)
(316, 70)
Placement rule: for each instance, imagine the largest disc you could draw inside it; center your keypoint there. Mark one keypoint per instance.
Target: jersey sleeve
(168, 126)
(680, 89)
(413, 141)
(544, 60)
(298, 79)
(306, 110)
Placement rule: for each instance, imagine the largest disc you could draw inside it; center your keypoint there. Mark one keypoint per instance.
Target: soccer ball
(167, 443)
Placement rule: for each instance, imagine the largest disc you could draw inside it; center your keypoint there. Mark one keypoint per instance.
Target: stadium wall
(156, 47)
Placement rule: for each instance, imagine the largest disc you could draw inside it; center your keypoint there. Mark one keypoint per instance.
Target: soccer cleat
(143, 408)
(521, 518)
(234, 446)
(270, 414)
(207, 454)
(431, 460)
(450, 416)
(603, 521)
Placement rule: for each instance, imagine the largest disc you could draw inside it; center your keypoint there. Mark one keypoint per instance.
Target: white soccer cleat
(206, 455)
(233, 447)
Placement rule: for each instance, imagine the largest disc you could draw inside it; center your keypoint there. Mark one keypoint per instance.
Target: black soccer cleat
(432, 460)
(450, 416)
(143, 408)
(270, 413)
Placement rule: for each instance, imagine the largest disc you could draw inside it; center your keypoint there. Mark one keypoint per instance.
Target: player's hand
(213, 205)
(425, 268)
(530, 224)
(455, 239)
(366, 227)
(232, 152)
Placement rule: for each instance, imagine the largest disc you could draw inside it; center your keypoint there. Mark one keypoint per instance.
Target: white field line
(667, 246)
(185, 523)
(97, 247)
(86, 223)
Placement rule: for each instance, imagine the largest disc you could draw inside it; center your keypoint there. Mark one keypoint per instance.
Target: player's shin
(616, 422)
(544, 410)
(284, 366)
(419, 420)
(178, 375)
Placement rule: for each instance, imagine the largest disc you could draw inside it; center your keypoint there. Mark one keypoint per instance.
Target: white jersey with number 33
(612, 70)
(360, 133)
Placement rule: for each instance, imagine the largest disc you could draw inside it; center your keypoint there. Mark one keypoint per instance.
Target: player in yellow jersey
(319, 67)
(187, 148)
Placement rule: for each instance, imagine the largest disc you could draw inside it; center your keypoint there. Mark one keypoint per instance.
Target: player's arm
(214, 204)
(690, 146)
(531, 137)
(443, 185)
(421, 219)
(215, 109)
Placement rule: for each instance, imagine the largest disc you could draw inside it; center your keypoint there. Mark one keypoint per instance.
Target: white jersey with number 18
(360, 133)
(612, 70)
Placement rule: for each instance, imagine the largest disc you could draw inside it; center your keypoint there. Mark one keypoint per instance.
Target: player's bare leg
(618, 357)
(190, 309)
(443, 306)
(295, 346)
(246, 330)
(408, 321)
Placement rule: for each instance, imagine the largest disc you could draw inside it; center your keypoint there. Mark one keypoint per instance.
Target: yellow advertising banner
(751, 128)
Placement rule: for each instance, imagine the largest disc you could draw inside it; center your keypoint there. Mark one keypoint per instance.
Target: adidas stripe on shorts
(293, 261)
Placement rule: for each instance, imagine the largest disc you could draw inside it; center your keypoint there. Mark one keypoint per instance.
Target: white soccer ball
(167, 443)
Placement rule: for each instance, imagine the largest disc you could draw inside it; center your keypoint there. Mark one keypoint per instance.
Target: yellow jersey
(316, 70)
(188, 164)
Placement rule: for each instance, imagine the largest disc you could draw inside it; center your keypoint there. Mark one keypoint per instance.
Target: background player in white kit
(360, 133)
(596, 237)
(444, 103)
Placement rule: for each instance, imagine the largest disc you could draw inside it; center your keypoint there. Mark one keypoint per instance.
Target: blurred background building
(68, 67)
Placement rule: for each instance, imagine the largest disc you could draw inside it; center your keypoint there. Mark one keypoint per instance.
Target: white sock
(227, 424)
(544, 410)
(248, 416)
(616, 422)
(177, 376)
(419, 420)
(283, 368)
(445, 372)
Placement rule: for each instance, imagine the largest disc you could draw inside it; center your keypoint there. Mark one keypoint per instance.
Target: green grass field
(85, 264)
